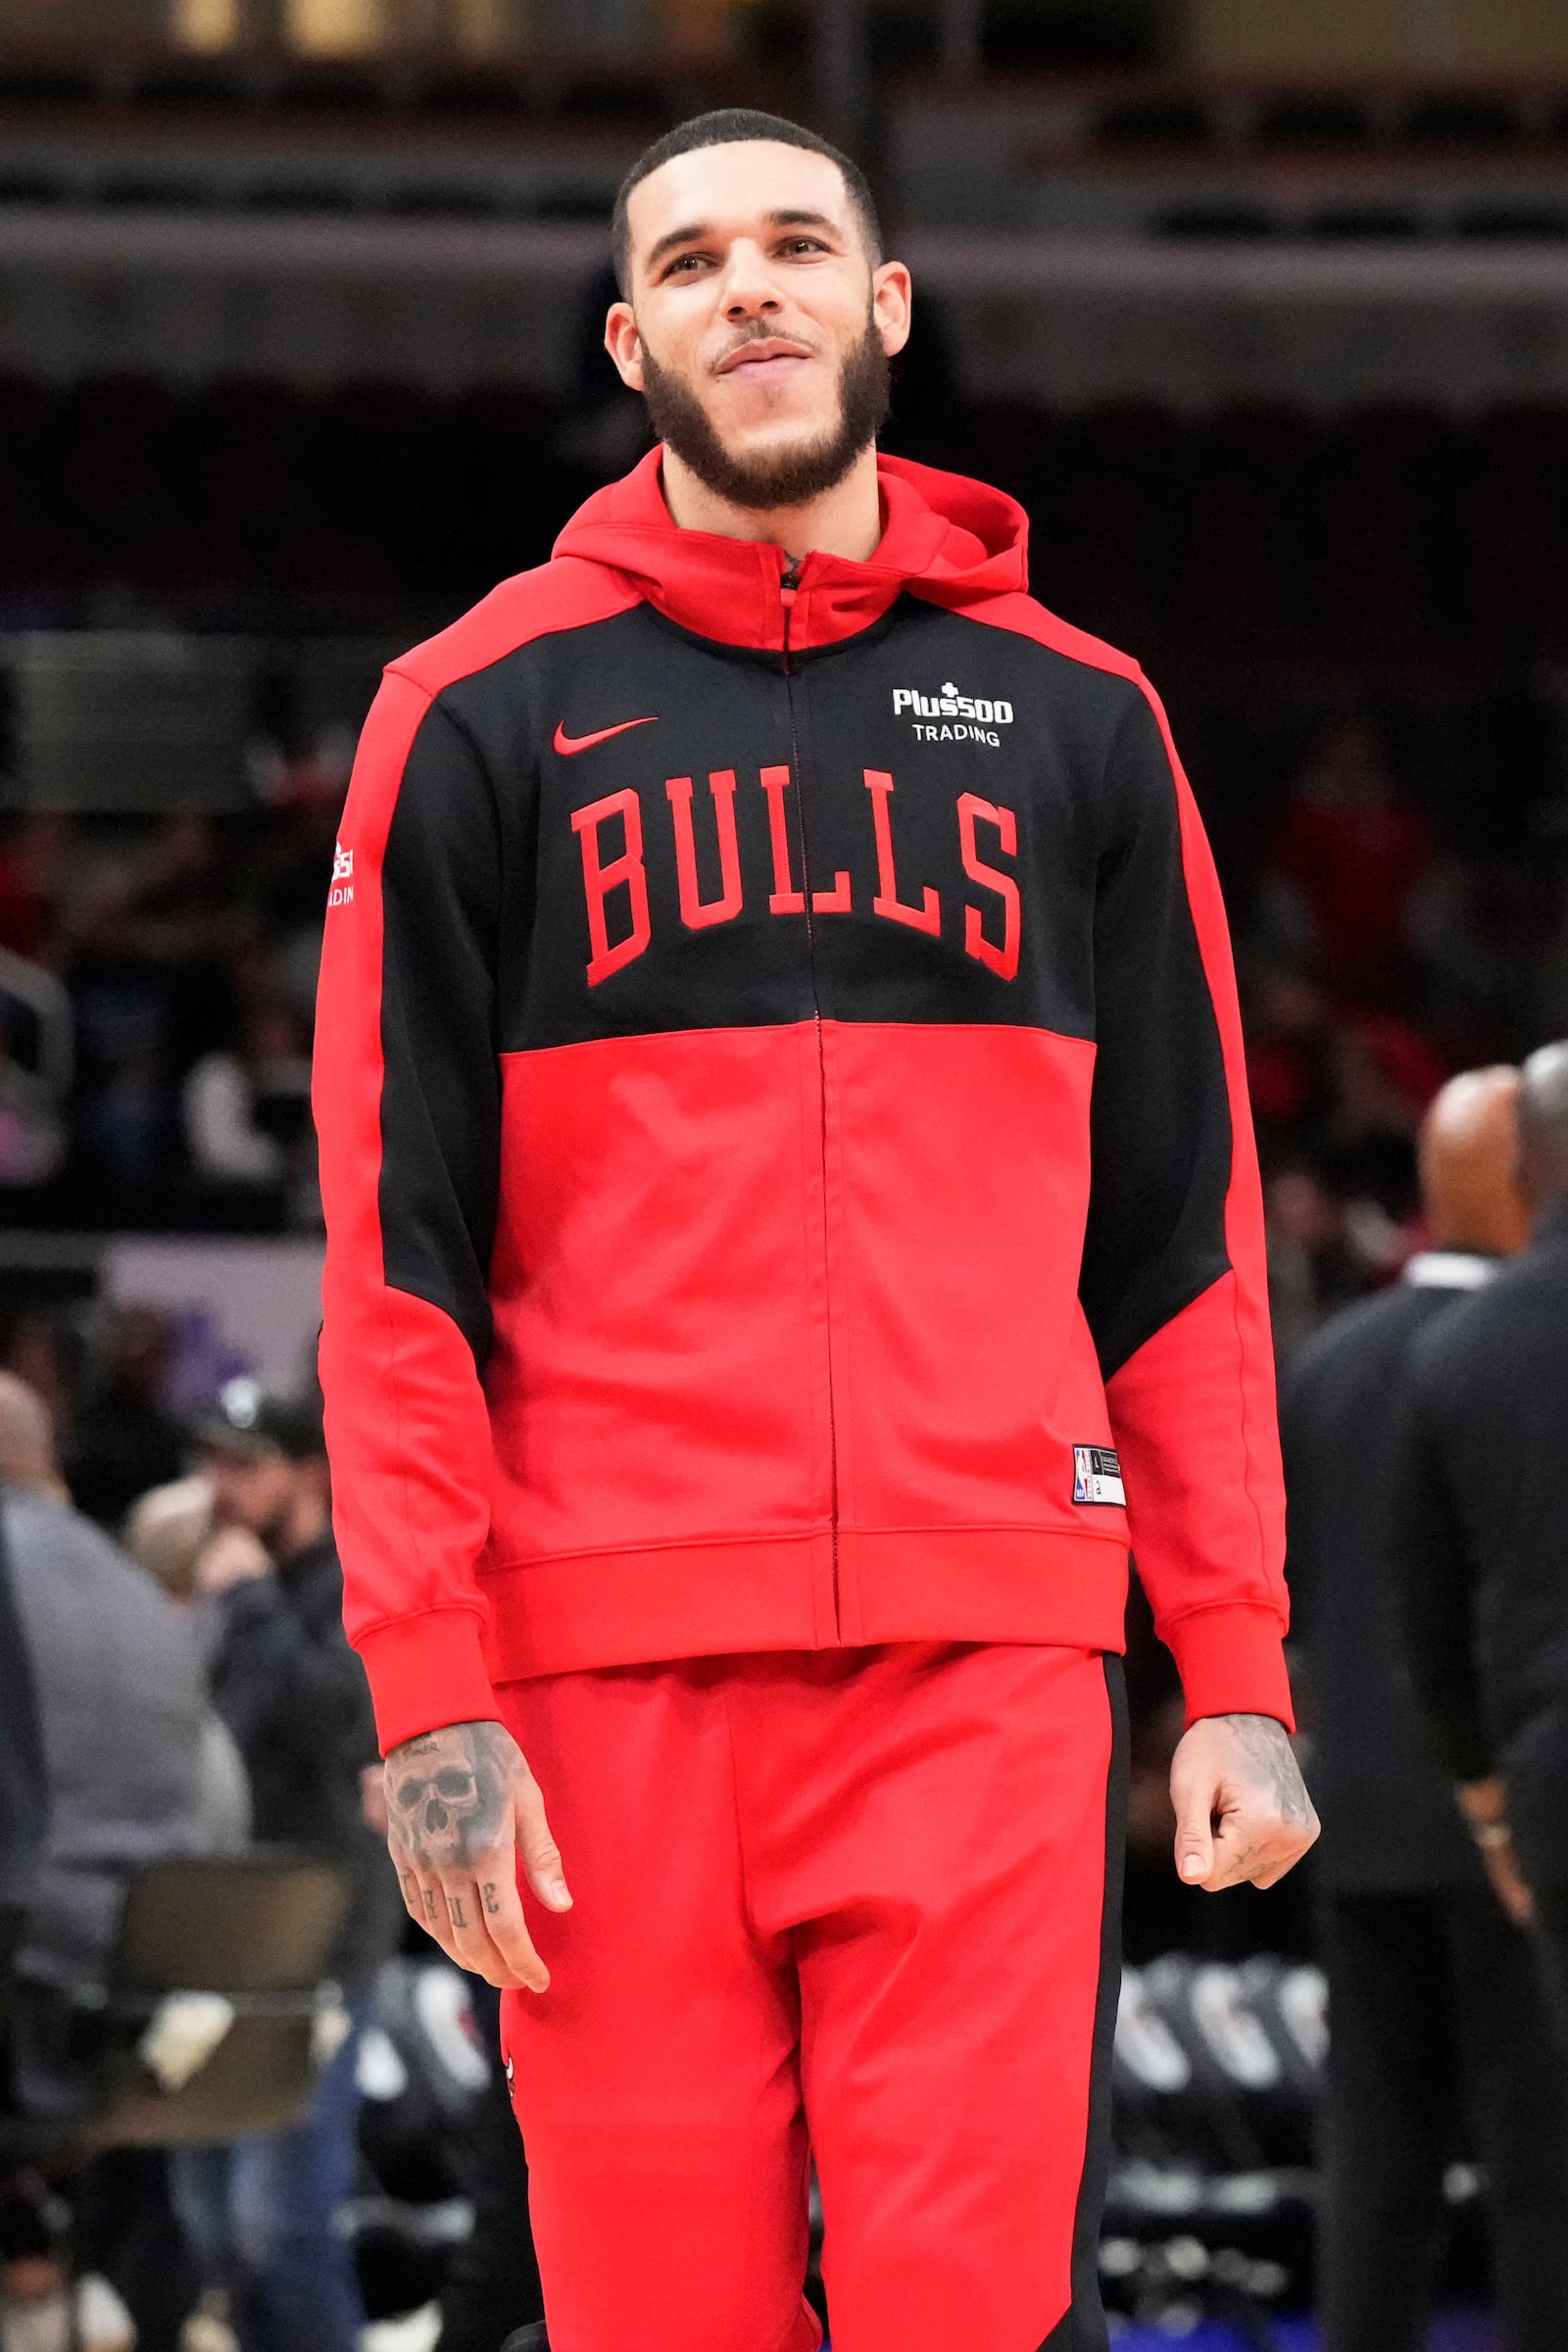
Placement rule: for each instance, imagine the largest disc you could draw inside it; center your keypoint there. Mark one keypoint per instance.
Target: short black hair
(722, 128)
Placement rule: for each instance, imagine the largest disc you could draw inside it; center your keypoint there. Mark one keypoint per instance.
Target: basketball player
(793, 1225)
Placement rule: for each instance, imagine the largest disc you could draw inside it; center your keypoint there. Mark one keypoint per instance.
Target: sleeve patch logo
(1097, 1475)
(342, 892)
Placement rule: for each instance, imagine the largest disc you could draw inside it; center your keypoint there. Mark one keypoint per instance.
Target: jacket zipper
(788, 586)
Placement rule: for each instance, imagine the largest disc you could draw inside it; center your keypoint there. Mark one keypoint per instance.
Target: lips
(765, 359)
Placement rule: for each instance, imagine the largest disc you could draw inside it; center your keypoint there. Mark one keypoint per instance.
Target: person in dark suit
(1440, 2044)
(1483, 1557)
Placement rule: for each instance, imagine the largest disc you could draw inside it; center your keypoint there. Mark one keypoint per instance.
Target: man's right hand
(462, 1805)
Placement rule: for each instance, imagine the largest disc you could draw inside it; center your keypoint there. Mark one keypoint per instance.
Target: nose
(750, 289)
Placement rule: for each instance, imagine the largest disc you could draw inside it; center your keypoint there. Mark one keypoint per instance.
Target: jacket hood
(946, 538)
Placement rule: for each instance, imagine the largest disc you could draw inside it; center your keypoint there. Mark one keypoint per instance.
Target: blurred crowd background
(1261, 313)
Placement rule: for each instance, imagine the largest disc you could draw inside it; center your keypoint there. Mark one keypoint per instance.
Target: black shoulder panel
(1160, 1123)
(440, 1099)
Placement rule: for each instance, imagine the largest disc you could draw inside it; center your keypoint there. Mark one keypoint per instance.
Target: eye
(685, 263)
(804, 245)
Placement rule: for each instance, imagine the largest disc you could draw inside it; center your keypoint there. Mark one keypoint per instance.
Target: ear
(624, 343)
(892, 300)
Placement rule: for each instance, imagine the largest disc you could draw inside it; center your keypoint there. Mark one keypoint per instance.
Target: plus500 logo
(950, 704)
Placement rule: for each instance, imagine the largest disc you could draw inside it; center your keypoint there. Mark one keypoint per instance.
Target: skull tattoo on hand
(446, 1793)
(465, 1817)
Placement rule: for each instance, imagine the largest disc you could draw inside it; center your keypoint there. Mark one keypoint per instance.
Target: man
(24, 1796)
(293, 1694)
(1437, 2022)
(125, 1760)
(121, 1707)
(1483, 1552)
(786, 1165)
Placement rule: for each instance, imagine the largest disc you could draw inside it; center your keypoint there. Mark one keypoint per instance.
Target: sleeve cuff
(426, 1671)
(1231, 1660)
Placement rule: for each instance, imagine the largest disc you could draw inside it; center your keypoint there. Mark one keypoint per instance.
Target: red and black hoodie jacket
(787, 1165)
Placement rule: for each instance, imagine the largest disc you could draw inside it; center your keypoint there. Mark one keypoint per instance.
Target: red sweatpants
(845, 1905)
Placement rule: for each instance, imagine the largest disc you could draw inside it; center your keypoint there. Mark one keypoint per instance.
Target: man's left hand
(1243, 1814)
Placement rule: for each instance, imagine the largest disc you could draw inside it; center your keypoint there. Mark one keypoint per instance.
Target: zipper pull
(789, 582)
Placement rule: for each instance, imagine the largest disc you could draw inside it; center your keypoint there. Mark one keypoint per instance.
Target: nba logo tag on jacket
(1097, 1475)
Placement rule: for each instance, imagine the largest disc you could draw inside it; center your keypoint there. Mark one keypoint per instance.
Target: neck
(846, 521)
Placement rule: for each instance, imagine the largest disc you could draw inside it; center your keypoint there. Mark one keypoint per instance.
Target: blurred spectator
(120, 1701)
(24, 1794)
(132, 1772)
(294, 1696)
(125, 1439)
(33, 1348)
(1348, 856)
(1441, 2045)
(168, 1534)
(1482, 1538)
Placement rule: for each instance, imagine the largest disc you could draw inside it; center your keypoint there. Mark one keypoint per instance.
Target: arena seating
(252, 504)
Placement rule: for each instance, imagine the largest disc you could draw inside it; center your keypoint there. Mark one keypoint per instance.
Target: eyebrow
(695, 230)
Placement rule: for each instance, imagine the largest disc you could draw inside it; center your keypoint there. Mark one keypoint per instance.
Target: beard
(785, 477)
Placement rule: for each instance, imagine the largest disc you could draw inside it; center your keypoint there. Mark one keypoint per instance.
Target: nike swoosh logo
(567, 744)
